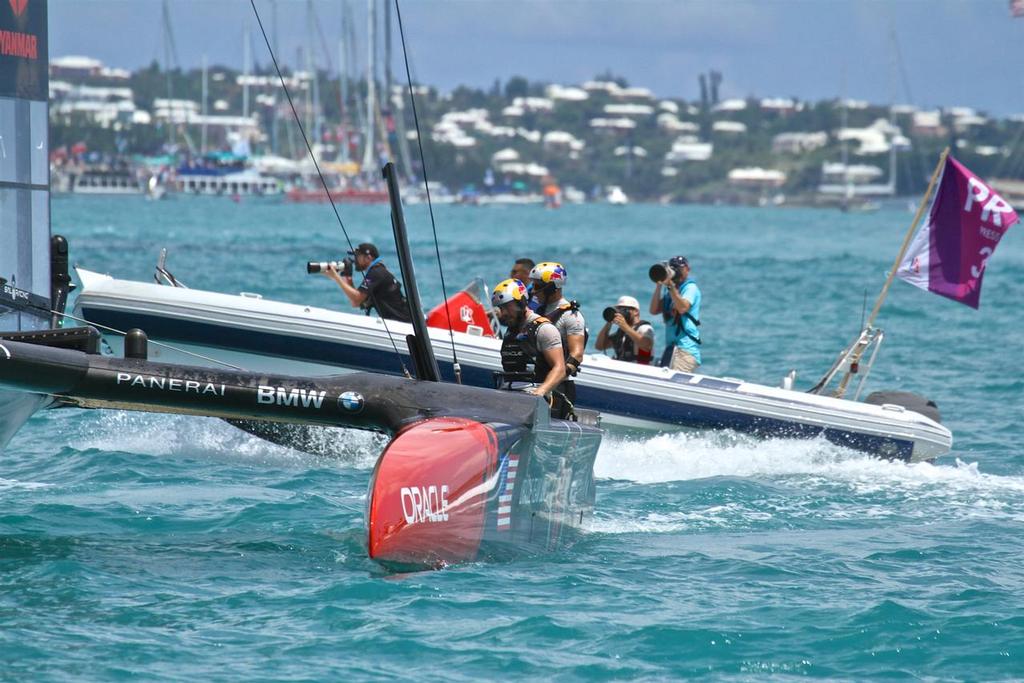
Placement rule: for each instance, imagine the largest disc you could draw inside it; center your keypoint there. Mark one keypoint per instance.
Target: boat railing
(848, 364)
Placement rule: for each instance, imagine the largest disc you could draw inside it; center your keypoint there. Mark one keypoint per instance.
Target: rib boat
(249, 331)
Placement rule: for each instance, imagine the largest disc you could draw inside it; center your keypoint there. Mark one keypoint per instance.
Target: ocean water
(161, 547)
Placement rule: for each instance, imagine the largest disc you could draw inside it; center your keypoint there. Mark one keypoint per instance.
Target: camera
(344, 267)
(608, 314)
(659, 272)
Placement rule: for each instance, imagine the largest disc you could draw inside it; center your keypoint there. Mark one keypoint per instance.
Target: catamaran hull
(262, 334)
(469, 474)
(491, 491)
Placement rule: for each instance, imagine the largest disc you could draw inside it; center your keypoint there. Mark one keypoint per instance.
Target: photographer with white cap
(634, 340)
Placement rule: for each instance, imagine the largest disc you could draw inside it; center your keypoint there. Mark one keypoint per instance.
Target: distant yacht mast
(371, 90)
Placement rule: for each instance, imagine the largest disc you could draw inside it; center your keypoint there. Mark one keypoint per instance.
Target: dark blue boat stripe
(593, 398)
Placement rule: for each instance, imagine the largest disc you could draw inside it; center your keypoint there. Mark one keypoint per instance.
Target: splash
(210, 438)
(685, 456)
(15, 485)
(789, 483)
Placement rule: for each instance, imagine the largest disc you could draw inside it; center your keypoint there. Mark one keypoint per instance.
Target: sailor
(548, 280)
(521, 271)
(634, 339)
(529, 338)
(379, 288)
(679, 306)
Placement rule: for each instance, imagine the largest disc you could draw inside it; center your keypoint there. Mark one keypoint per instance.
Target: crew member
(529, 338)
(679, 306)
(379, 288)
(549, 279)
(634, 339)
(521, 271)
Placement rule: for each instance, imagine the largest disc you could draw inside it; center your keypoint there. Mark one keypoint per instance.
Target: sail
(24, 167)
(948, 254)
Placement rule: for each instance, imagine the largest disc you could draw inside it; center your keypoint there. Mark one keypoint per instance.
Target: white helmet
(550, 272)
(508, 291)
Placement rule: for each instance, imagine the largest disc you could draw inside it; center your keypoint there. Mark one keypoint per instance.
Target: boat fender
(908, 400)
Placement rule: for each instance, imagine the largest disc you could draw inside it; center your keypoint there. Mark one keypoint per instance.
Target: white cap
(628, 302)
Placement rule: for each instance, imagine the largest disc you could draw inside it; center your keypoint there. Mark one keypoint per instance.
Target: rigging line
(426, 185)
(323, 181)
(155, 343)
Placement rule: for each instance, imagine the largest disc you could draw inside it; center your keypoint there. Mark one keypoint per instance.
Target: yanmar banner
(948, 254)
(23, 49)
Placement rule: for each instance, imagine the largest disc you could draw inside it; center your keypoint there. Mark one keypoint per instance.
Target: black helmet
(678, 262)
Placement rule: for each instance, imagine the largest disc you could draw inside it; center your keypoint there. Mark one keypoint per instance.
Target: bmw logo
(352, 401)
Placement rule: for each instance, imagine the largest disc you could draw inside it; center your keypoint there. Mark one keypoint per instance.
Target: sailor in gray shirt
(549, 279)
(529, 338)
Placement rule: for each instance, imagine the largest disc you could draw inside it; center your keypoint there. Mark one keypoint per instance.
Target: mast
(387, 57)
(168, 41)
(353, 62)
(273, 121)
(342, 95)
(843, 124)
(206, 90)
(371, 90)
(317, 131)
(246, 67)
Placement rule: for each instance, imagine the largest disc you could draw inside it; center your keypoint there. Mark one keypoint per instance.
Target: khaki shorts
(683, 361)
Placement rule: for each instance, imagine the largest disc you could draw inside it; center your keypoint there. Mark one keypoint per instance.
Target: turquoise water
(169, 548)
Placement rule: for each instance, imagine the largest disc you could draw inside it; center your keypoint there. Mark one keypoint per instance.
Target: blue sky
(954, 52)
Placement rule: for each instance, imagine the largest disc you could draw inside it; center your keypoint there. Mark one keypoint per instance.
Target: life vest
(542, 368)
(519, 350)
(388, 298)
(625, 348)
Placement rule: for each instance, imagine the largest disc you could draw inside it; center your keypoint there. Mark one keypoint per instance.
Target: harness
(518, 351)
(680, 328)
(678, 319)
(625, 348)
(389, 301)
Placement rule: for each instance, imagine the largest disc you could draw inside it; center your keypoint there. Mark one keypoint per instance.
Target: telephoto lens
(313, 267)
(659, 272)
(608, 314)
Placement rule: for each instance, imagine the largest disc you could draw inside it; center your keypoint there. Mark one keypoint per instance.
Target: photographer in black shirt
(379, 288)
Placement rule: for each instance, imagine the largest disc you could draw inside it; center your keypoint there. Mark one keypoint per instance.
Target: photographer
(634, 339)
(379, 288)
(679, 306)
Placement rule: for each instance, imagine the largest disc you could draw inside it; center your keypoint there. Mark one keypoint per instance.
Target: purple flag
(948, 254)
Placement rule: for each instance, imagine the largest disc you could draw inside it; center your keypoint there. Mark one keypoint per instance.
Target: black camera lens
(608, 314)
(658, 272)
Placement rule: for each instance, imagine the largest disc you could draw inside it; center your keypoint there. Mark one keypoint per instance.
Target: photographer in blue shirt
(679, 306)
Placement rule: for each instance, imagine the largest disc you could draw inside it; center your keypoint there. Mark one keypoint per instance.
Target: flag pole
(859, 350)
(910, 234)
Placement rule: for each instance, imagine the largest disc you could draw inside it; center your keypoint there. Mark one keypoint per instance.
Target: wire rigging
(323, 181)
(426, 185)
